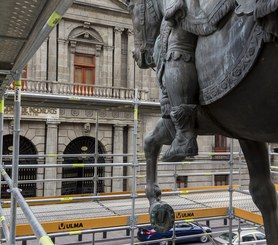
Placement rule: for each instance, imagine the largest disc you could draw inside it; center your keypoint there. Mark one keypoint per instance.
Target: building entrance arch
(82, 145)
(26, 147)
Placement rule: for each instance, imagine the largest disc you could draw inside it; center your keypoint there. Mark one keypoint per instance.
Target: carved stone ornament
(87, 129)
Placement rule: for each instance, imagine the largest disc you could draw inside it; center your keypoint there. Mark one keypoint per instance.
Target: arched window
(25, 174)
(82, 145)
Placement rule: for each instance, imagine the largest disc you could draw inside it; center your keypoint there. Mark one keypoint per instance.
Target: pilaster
(50, 188)
(117, 184)
(52, 55)
(130, 60)
(117, 56)
(62, 61)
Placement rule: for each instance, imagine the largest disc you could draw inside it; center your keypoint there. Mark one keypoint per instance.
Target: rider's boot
(185, 143)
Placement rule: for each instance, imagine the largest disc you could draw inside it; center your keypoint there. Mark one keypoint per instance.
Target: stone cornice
(92, 5)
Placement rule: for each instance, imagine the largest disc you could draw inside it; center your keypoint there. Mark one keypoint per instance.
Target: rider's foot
(185, 143)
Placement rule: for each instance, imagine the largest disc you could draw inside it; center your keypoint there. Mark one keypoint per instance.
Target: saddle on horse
(224, 58)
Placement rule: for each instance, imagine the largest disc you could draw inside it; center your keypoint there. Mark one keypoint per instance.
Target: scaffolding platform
(116, 212)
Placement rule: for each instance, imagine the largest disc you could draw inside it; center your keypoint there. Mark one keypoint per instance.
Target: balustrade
(77, 89)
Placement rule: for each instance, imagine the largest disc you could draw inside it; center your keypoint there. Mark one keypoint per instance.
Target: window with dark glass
(248, 238)
(221, 179)
(220, 143)
(182, 181)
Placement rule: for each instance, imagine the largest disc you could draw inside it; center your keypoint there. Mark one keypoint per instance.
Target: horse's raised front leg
(161, 214)
(261, 186)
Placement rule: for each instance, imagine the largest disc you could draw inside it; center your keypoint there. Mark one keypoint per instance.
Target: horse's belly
(250, 111)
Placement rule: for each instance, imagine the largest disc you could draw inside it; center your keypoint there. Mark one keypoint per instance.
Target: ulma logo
(180, 215)
(64, 226)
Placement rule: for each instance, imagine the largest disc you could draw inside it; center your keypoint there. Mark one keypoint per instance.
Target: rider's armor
(178, 46)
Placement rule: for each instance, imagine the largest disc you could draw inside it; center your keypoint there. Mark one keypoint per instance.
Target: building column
(98, 68)
(62, 61)
(117, 184)
(52, 55)
(130, 60)
(50, 188)
(40, 64)
(71, 60)
(117, 56)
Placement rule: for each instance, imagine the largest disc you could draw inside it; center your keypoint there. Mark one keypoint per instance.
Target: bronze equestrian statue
(236, 59)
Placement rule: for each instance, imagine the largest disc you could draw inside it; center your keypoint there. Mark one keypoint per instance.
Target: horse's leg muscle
(152, 146)
(161, 214)
(261, 186)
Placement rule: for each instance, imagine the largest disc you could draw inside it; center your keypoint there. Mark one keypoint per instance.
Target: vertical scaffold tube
(15, 161)
(231, 190)
(2, 218)
(134, 166)
(95, 178)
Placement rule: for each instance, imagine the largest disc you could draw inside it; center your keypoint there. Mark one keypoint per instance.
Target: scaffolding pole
(95, 177)
(134, 168)
(231, 190)
(2, 218)
(15, 160)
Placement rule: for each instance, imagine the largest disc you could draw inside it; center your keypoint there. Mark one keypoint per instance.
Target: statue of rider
(177, 76)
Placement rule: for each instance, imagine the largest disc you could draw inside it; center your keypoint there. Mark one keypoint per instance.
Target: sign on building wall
(34, 112)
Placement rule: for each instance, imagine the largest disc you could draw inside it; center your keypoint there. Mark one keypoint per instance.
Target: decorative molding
(98, 50)
(61, 41)
(73, 46)
(87, 129)
(232, 78)
(115, 114)
(75, 112)
(62, 111)
(52, 121)
(130, 32)
(119, 30)
(86, 25)
(89, 113)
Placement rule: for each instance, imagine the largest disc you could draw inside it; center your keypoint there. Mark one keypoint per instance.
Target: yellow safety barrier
(255, 218)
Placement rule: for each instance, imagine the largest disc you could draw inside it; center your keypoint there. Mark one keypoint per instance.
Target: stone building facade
(89, 54)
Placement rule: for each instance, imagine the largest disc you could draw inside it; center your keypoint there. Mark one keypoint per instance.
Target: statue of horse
(237, 65)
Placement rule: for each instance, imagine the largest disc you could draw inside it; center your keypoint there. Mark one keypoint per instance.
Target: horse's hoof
(162, 216)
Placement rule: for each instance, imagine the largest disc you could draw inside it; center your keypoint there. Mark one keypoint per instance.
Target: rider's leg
(180, 78)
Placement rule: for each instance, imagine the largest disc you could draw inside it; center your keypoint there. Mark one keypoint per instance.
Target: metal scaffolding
(48, 13)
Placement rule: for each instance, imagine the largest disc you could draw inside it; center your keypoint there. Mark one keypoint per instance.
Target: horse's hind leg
(261, 186)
